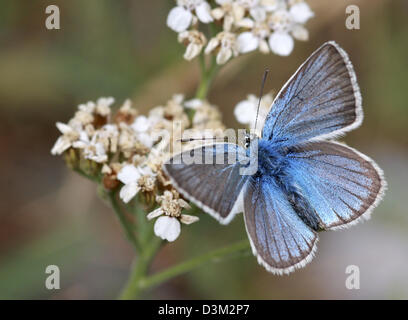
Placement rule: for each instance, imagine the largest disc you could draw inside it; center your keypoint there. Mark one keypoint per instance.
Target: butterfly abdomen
(303, 209)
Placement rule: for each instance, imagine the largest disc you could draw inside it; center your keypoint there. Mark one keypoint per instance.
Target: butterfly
(304, 182)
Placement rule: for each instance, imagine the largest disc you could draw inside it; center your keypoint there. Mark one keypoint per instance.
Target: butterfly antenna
(261, 94)
(196, 139)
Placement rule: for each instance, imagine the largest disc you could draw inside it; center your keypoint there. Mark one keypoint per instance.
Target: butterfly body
(273, 166)
(303, 181)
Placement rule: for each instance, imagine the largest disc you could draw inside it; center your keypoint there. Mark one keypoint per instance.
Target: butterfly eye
(247, 141)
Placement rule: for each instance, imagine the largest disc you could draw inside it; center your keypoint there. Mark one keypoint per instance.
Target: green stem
(133, 287)
(217, 255)
(207, 75)
(124, 221)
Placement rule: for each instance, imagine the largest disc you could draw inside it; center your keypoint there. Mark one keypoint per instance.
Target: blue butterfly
(304, 182)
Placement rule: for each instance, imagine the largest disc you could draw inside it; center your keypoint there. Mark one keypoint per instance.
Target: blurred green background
(49, 215)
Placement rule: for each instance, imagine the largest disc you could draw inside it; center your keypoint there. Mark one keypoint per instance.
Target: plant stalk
(130, 235)
(140, 267)
(207, 76)
(218, 255)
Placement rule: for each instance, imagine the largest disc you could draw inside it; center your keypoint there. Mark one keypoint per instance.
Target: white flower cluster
(247, 25)
(125, 151)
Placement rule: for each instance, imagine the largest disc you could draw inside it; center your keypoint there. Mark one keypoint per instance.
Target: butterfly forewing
(322, 99)
(215, 183)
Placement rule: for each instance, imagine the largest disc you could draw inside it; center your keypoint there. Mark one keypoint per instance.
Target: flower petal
(223, 55)
(146, 139)
(192, 51)
(141, 124)
(187, 219)
(60, 145)
(167, 228)
(128, 191)
(218, 13)
(281, 43)
(212, 44)
(247, 42)
(301, 12)
(245, 112)
(263, 47)
(193, 103)
(300, 33)
(129, 173)
(247, 23)
(183, 203)
(258, 13)
(179, 19)
(155, 213)
(64, 128)
(203, 12)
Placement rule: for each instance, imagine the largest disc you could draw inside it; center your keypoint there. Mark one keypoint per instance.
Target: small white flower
(301, 12)
(64, 142)
(108, 135)
(141, 126)
(92, 149)
(88, 107)
(83, 117)
(129, 175)
(195, 41)
(167, 228)
(227, 45)
(280, 20)
(231, 11)
(181, 17)
(103, 106)
(256, 38)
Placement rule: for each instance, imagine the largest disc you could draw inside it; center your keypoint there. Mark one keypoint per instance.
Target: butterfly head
(248, 138)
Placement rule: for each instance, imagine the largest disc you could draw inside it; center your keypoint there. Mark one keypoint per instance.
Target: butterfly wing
(321, 100)
(280, 240)
(213, 183)
(341, 184)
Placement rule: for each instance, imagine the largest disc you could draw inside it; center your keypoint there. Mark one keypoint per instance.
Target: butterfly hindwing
(214, 183)
(281, 241)
(322, 99)
(340, 184)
